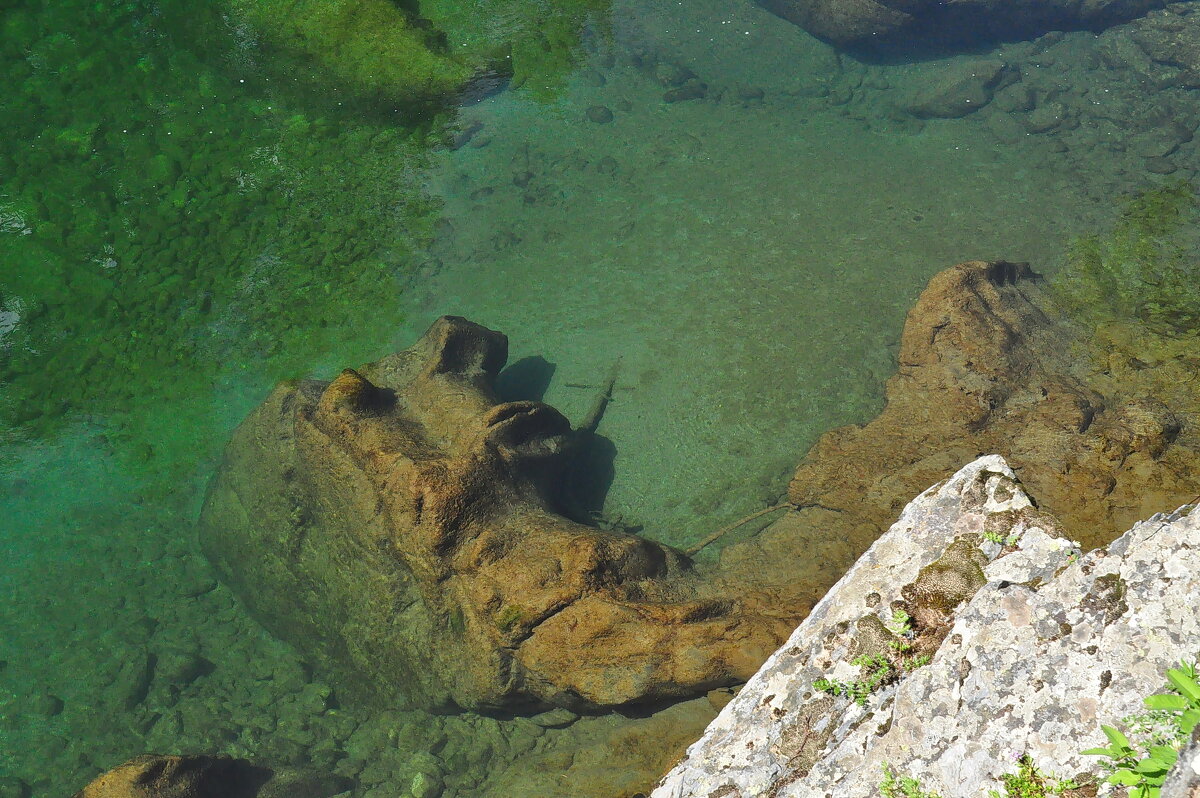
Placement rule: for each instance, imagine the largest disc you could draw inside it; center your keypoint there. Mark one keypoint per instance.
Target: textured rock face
(1045, 646)
(872, 24)
(1184, 779)
(399, 524)
(986, 364)
(198, 776)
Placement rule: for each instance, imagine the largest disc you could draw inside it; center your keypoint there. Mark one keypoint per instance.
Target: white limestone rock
(1053, 645)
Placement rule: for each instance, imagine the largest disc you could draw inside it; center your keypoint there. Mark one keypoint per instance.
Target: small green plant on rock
(1001, 539)
(901, 623)
(1029, 782)
(880, 669)
(895, 785)
(877, 670)
(1142, 765)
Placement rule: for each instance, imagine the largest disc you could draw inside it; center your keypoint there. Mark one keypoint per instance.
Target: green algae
(538, 42)
(429, 50)
(1143, 268)
(372, 45)
(168, 230)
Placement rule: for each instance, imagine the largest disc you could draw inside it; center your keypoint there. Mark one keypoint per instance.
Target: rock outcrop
(987, 363)
(1184, 779)
(401, 526)
(1031, 647)
(900, 24)
(199, 776)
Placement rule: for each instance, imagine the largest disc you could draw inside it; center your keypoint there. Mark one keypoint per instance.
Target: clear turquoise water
(187, 217)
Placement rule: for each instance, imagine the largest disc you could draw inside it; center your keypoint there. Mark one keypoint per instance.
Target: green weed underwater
(1145, 268)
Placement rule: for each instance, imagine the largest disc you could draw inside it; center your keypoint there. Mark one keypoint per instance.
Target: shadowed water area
(700, 202)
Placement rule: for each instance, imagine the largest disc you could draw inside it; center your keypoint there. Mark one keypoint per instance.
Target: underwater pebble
(692, 90)
(194, 585)
(960, 89)
(181, 668)
(671, 75)
(1160, 166)
(599, 114)
(425, 785)
(47, 705)
(464, 136)
(749, 94)
(14, 788)
(1159, 141)
(555, 719)
(133, 680)
(1045, 118)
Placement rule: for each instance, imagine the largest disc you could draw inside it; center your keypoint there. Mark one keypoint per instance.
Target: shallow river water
(188, 216)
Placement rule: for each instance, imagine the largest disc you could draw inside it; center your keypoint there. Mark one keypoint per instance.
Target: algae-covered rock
(1144, 268)
(372, 45)
(427, 50)
(399, 524)
(245, 218)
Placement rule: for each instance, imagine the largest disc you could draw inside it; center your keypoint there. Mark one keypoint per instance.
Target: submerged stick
(720, 533)
(592, 420)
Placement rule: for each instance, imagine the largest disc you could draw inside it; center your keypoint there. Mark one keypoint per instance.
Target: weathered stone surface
(961, 88)
(199, 776)
(1184, 779)
(986, 364)
(401, 525)
(1051, 646)
(873, 24)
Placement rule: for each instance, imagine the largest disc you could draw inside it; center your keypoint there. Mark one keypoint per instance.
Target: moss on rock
(1144, 268)
(372, 45)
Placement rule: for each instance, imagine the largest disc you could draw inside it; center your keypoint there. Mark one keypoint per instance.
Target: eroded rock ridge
(401, 525)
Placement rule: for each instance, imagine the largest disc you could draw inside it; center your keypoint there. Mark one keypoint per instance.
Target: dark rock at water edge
(906, 26)
(200, 776)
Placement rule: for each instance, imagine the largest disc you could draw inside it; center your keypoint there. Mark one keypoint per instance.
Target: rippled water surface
(190, 213)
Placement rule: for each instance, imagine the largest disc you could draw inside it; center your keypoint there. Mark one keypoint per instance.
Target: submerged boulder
(968, 639)
(901, 24)
(201, 776)
(404, 527)
(987, 363)
(401, 525)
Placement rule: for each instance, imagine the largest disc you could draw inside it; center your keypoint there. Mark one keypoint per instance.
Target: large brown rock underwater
(405, 529)
(402, 525)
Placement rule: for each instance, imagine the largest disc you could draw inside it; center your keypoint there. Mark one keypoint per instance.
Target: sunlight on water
(699, 214)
